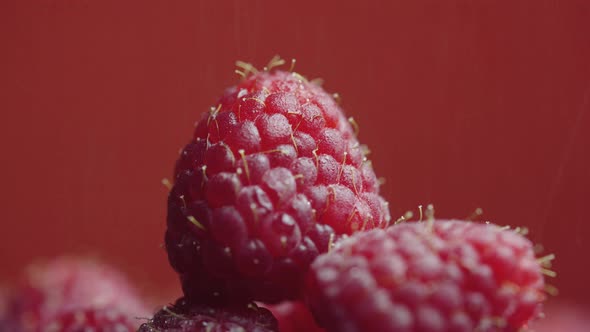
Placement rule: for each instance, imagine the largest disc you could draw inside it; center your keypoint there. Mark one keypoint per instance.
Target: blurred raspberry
(66, 284)
(420, 276)
(91, 320)
(187, 317)
(271, 177)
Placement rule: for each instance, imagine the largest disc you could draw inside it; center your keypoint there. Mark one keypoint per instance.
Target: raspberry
(91, 320)
(184, 316)
(423, 276)
(271, 177)
(294, 317)
(67, 284)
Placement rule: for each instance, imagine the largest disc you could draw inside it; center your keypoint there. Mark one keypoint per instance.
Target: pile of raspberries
(275, 223)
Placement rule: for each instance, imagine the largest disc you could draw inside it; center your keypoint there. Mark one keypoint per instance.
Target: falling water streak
(566, 155)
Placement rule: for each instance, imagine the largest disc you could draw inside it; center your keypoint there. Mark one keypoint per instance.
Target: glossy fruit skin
(428, 276)
(185, 316)
(272, 176)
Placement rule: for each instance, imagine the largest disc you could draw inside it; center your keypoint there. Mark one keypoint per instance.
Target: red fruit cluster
(443, 276)
(272, 176)
(273, 200)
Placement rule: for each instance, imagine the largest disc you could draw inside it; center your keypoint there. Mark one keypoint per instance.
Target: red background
(464, 104)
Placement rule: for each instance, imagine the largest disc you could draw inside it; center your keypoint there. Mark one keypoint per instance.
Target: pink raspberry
(82, 320)
(294, 317)
(184, 316)
(272, 175)
(419, 276)
(64, 285)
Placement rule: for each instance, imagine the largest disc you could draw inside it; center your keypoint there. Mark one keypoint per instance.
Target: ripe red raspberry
(67, 284)
(91, 320)
(186, 317)
(419, 276)
(294, 317)
(271, 177)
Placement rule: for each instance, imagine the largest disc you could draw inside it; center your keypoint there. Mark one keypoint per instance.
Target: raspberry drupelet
(445, 276)
(273, 175)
